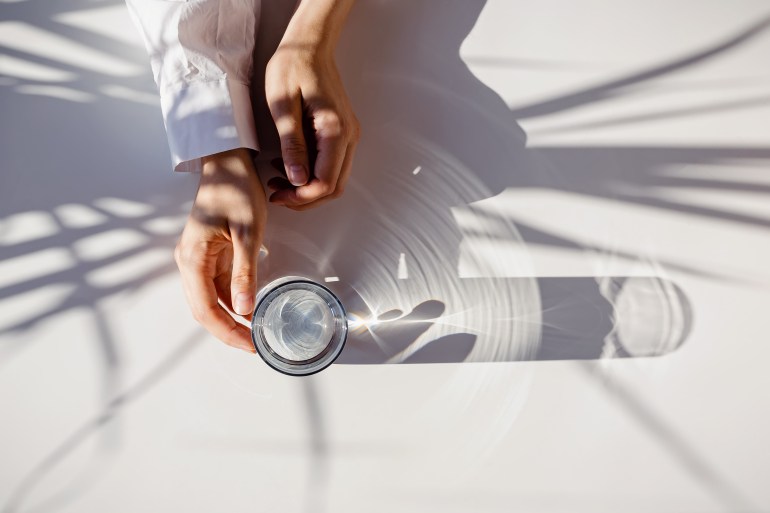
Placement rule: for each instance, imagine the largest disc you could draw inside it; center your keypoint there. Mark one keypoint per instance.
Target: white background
(649, 127)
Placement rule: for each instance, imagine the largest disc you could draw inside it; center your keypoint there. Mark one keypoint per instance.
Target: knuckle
(276, 72)
(199, 314)
(192, 255)
(272, 66)
(244, 277)
(293, 146)
(355, 133)
(343, 128)
(346, 130)
(183, 254)
(243, 232)
(325, 189)
(332, 125)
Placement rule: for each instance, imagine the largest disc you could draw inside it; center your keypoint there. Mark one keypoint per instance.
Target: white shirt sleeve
(201, 52)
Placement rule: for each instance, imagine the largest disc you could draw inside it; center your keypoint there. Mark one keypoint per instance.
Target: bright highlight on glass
(299, 327)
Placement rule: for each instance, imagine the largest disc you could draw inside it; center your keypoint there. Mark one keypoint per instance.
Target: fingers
(202, 298)
(282, 187)
(243, 285)
(336, 143)
(222, 286)
(287, 115)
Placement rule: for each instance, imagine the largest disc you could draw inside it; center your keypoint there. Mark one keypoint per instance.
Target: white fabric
(201, 52)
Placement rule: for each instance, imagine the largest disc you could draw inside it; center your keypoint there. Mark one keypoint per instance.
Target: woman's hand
(218, 250)
(311, 110)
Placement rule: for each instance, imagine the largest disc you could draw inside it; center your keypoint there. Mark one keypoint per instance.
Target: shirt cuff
(203, 118)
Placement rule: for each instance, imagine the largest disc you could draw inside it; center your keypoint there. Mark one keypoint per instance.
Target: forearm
(317, 24)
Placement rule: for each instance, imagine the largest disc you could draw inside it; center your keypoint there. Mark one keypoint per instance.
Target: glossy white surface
(543, 147)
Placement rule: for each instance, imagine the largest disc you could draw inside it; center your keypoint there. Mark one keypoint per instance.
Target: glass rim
(325, 357)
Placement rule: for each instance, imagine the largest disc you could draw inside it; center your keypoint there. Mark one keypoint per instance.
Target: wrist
(316, 25)
(235, 162)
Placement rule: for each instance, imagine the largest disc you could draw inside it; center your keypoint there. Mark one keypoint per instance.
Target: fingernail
(242, 305)
(297, 174)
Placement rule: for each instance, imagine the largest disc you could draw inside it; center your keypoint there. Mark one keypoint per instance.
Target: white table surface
(602, 138)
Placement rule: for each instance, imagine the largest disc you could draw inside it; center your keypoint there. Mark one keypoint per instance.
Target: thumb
(287, 115)
(243, 285)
